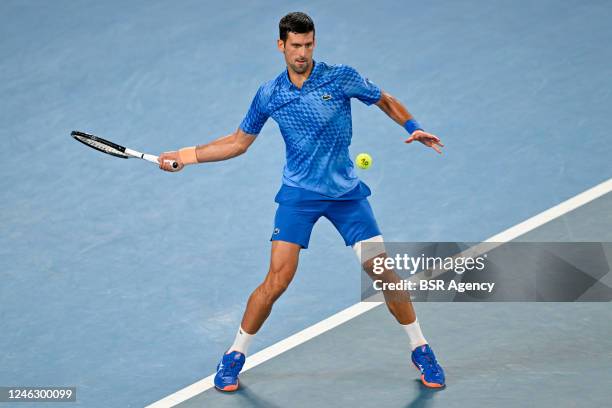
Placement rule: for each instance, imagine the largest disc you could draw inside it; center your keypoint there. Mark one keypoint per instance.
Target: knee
(275, 285)
(368, 250)
(277, 288)
(374, 267)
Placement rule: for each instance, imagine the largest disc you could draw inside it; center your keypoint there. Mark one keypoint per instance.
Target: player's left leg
(397, 301)
(399, 304)
(356, 223)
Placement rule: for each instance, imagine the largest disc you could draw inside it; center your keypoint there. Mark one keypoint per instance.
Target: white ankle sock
(413, 330)
(242, 341)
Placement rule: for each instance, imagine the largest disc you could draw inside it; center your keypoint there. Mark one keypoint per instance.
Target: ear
(281, 45)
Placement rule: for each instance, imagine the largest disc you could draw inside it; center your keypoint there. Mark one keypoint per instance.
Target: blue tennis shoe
(228, 369)
(432, 375)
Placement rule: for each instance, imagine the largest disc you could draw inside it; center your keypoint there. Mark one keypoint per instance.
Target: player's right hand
(166, 159)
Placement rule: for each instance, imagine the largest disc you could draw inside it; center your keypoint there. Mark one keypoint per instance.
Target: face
(298, 50)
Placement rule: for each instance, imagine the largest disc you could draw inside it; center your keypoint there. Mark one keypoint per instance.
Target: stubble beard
(300, 70)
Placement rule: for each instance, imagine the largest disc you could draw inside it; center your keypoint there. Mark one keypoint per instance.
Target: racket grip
(155, 159)
(172, 163)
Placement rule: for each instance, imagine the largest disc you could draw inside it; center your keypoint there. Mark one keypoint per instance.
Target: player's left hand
(427, 139)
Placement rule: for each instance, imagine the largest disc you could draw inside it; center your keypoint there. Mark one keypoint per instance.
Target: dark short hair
(296, 22)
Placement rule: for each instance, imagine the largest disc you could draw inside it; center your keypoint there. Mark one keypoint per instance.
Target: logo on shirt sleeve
(326, 97)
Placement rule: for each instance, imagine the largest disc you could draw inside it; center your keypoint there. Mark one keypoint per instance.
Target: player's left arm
(398, 112)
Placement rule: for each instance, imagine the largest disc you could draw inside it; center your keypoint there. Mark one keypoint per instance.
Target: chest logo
(326, 97)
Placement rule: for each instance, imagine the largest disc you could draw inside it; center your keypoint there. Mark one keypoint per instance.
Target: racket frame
(126, 152)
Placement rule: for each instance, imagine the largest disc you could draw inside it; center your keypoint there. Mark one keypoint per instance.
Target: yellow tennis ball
(363, 160)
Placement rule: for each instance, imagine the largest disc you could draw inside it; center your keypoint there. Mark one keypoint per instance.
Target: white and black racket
(114, 149)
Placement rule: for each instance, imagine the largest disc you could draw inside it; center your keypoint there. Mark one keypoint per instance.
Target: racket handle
(172, 163)
(155, 159)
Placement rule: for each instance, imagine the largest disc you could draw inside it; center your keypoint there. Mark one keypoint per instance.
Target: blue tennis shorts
(353, 219)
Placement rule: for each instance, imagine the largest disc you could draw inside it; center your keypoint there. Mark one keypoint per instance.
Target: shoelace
(231, 369)
(431, 362)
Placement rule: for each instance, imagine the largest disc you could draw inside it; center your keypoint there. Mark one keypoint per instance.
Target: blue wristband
(412, 125)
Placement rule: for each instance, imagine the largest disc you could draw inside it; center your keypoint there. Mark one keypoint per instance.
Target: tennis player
(311, 102)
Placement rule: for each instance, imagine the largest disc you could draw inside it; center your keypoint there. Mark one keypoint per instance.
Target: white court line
(362, 307)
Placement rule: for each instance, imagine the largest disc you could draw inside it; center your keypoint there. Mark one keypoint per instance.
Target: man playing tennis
(310, 101)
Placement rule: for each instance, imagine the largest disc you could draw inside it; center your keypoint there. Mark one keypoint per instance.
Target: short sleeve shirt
(315, 122)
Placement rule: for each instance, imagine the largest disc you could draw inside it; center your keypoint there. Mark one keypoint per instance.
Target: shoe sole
(229, 388)
(425, 383)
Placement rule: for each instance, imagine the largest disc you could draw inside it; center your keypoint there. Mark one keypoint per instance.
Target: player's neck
(299, 79)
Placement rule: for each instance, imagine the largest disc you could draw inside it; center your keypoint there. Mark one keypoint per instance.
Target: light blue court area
(495, 354)
(129, 283)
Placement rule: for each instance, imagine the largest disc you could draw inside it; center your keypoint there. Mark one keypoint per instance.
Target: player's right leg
(292, 228)
(283, 264)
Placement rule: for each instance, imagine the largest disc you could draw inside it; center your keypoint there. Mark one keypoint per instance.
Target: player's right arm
(228, 146)
(223, 148)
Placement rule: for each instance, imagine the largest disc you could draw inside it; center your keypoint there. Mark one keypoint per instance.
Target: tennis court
(128, 283)
(502, 354)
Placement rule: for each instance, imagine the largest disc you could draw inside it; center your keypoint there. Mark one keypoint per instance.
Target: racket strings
(101, 146)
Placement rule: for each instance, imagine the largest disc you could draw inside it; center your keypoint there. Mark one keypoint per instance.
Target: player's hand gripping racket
(114, 149)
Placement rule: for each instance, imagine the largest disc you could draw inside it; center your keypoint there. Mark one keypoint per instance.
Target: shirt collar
(316, 70)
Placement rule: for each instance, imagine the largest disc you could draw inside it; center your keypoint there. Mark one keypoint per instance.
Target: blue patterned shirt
(315, 122)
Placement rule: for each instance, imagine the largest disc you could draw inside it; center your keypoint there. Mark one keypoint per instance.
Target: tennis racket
(108, 147)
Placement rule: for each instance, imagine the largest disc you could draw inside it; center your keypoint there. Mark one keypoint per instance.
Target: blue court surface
(128, 283)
